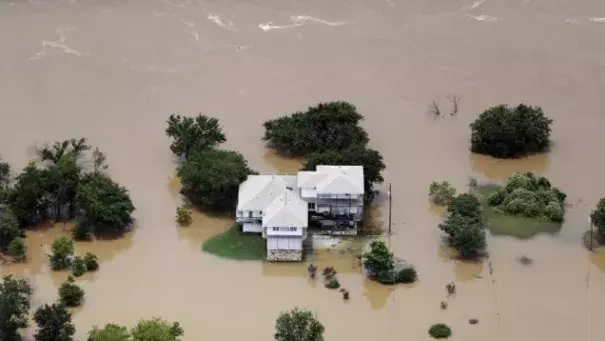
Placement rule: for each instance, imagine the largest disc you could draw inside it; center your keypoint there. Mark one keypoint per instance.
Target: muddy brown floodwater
(113, 71)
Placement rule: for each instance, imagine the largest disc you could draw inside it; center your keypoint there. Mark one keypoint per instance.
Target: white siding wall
(284, 231)
(284, 243)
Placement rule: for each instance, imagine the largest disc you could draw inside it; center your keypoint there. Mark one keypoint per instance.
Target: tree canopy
(464, 226)
(332, 125)
(106, 205)
(370, 159)
(29, 198)
(15, 295)
(194, 134)
(156, 329)
(506, 132)
(9, 228)
(298, 325)
(54, 323)
(379, 261)
(598, 217)
(211, 178)
(110, 332)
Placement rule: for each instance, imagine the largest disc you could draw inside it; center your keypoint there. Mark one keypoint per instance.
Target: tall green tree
(106, 205)
(62, 183)
(15, 296)
(29, 199)
(211, 178)
(298, 325)
(110, 332)
(194, 133)
(54, 323)
(358, 155)
(9, 228)
(597, 217)
(379, 261)
(156, 329)
(5, 170)
(506, 132)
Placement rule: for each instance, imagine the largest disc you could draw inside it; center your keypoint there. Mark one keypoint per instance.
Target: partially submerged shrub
(18, 249)
(183, 217)
(518, 180)
(407, 275)
(597, 217)
(82, 230)
(440, 331)
(554, 211)
(78, 267)
(62, 252)
(466, 205)
(441, 193)
(497, 197)
(451, 288)
(70, 293)
(91, 261)
(333, 283)
(329, 272)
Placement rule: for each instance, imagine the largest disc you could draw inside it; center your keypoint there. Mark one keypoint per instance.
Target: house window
(311, 205)
(276, 229)
(249, 214)
(292, 229)
(260, 212)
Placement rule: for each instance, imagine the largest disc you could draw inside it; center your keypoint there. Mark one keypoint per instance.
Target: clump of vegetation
(441, 193)
(525, 260)
(91, 261)
(70, 293)
(381, 265)
(110, 332)
(326, 126)
(312, 270)
(371, 160)
(145, 330)
(298, 325)
(82, 231)
(597, 217)
(183, 217)
(329, 273)
(407, 275)
(530, 196)
(333, 283)
(506, 132)
(18, 249)
(345, 295)
(191, 134)
(63, 250)
(54, 323)
(78, 267)
(440, 331)
(464, 226)
(211, 178)
(451, 288)
(234, 244)
(9, 229)
(15, 297)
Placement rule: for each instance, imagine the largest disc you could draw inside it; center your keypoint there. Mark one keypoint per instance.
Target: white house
(281, 206)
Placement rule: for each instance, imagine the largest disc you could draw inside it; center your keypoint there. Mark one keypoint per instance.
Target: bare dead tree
(434, 108)
(454, 100)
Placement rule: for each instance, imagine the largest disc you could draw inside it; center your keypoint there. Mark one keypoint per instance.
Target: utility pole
(390, 208)
(591, 234)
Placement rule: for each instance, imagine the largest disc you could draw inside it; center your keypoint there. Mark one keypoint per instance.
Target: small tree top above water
(54, 323)
(156, 329)
(15, 295)
(194, 133)
(332, 125)
(298, 325)
(378, 260)
(598, 217)
(506, 132)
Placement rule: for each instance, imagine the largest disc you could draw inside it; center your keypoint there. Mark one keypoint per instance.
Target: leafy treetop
(15, 295)
(54, 323)
(379, 261)
(156, 329)
(332, 125)
(598, 217)
(298, 325)
(194, 133)
(506, 132)
(211, 178)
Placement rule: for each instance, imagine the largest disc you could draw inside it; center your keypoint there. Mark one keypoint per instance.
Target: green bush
(469, 240)
(598, 216)
(518, 180)
(333, 283)
(506, 132)
(554, 211)
(378, 260)
(533, 209)
(407, 275)
(387, 277)
(515, 206)
(560, 194)
(78, 267)
(466, 205)
(82, 231)
(497, 197)
(91, 261)
(183, 217)
(546, 196)
(18, 249)
(63, 250)
(441, 193)
(523, 194)
(440, 331)
(70, 293)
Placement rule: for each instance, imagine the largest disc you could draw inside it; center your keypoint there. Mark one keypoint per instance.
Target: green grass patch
(500, 223)
(234, 244)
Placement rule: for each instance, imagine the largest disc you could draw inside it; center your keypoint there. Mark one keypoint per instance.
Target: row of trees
(327, 134)
(66, 182)
(54, 321)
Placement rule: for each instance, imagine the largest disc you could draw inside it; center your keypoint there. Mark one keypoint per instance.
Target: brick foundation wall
(284, 255)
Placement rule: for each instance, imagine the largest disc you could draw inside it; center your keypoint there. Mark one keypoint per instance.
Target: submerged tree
(70, 293)
(29, 199)
(156, 329)
(194, 134)
(298, 325)
(597, 217)
(110, 332)
(441, 193)
(9, 228)
(63, 250)
(379, 261)
(211, 178)
(15, 295)
(357, 155)
(464, 226)
(107, 206)
(506, 132)
(54, 323)
(18, 249)
(332, 125)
